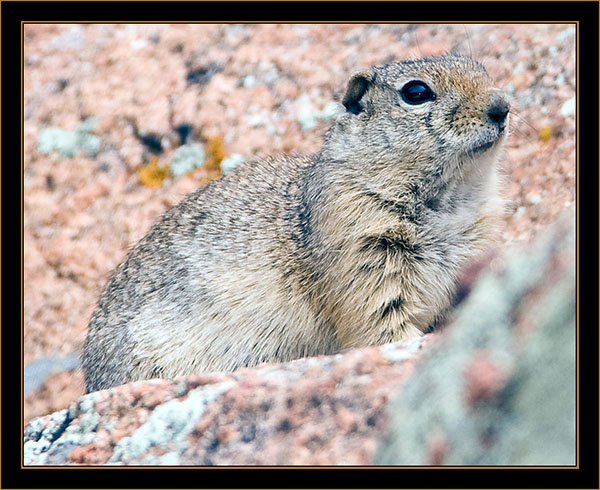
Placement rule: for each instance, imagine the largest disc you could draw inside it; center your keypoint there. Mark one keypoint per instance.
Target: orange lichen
(545, 133)
(215, 151)
(153, 175)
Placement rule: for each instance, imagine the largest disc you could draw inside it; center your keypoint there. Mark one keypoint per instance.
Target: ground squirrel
(289, 257)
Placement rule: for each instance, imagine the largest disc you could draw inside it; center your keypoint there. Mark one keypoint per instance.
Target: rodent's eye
(416, 92)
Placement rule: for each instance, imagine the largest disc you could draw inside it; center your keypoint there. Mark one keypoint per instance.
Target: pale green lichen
(70, 143)
(186, 159)
(231, 163)
(169, 424)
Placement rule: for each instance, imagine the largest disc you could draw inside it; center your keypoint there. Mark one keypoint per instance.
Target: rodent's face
(437, 109)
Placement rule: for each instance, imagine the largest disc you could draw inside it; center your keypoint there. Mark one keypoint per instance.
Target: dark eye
(416, 92)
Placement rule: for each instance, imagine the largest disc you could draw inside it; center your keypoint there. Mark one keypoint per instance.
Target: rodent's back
(210, 265)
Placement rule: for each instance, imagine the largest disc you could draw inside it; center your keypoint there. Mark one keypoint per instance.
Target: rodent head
(427, 115)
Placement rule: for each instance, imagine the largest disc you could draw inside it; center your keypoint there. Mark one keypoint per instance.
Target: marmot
(289, 257)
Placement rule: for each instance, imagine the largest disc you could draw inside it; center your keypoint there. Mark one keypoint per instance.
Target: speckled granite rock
(503, 379)
(496, 386)
(317, 411)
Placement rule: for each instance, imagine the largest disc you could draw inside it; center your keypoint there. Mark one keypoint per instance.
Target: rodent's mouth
(480, 148)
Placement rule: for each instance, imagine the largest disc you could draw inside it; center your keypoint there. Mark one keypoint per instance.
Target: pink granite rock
(325, 410)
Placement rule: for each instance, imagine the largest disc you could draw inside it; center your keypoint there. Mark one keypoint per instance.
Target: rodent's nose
(497, 111)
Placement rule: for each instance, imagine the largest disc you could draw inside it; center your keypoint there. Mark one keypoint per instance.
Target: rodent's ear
(357, 86)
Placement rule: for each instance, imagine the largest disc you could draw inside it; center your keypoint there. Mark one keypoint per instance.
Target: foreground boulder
(495, 386)
(500, 388)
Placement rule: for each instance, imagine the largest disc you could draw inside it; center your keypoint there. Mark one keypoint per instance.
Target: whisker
(468, 40)
(516, 114)
(417, 42)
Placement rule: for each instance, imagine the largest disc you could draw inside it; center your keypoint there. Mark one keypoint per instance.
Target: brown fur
(298, 256)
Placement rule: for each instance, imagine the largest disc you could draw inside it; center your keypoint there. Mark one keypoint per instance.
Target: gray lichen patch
(402, 351)
(70, 143)
(186, 159)
(41, 434)
(168, 426)
(231, 163)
